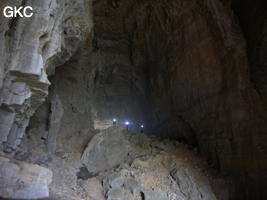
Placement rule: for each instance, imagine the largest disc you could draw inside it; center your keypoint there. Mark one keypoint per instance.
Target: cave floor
(152, 169)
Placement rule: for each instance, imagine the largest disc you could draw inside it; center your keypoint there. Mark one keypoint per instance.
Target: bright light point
(127, 123)
(142, 126)
(114, 120)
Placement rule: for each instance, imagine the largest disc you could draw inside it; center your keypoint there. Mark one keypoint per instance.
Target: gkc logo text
(21, 11)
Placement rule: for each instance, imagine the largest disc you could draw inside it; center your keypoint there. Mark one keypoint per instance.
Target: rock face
(253, 24)
(198, 81)
(30, 48)
(21, 180)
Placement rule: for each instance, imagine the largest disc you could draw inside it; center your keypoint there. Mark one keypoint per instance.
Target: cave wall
(199, 73)
(252, 16)
(122, 71)
(118, 85)
(31, 48)
(70, 85)
(197, 68)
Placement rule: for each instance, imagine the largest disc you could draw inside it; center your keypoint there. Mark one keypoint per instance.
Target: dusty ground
(154, 169)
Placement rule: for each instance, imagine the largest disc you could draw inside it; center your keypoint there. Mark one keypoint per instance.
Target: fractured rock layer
(30, 49)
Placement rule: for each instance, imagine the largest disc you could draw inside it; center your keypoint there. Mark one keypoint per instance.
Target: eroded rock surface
(31, 48)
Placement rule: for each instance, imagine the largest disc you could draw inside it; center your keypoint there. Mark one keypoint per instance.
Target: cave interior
(193, 72)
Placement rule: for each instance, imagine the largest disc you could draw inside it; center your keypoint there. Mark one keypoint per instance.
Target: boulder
(192, 184)
(117, 194)
(20, 180)
(153, 195)
(106, 150)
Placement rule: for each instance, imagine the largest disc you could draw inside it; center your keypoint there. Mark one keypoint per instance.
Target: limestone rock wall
(199, 74)
(197, 79)
(118, 85)
(30, 48)
(253, 21)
